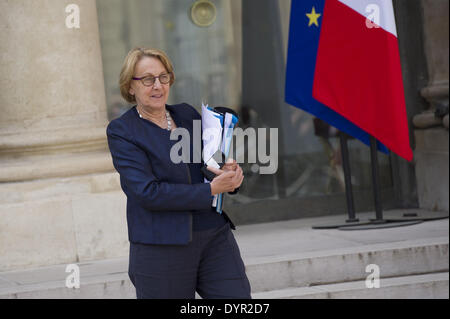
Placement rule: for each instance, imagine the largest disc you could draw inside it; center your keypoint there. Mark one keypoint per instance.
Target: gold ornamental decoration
(203, 13)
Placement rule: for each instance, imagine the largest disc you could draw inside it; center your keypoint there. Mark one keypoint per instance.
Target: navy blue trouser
(210, 264)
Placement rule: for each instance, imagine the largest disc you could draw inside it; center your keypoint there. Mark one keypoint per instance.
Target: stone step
(104, 279)
(344, 268)
(348, 264)
(278, 256)
(429, 286)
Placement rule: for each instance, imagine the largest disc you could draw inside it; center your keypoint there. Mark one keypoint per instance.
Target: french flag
(358, 72)
(304, 35)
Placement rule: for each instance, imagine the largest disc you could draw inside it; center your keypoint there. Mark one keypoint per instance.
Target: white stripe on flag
(368, 8)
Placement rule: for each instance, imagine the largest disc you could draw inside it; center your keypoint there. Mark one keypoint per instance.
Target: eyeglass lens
(150, 80)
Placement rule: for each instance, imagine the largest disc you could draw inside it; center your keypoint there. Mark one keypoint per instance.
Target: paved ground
(297, 236)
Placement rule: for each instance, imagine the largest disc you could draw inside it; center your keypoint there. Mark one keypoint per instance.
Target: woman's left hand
(230, 166)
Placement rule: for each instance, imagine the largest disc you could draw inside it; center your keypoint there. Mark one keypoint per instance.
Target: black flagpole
(352, 220)
(352, 223)
(348, 179)
(376, 181)
(379, 221)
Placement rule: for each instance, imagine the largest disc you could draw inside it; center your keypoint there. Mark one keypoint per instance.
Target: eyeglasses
(150, 80)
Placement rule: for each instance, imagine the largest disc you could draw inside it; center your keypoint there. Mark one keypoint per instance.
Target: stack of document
(217, 135)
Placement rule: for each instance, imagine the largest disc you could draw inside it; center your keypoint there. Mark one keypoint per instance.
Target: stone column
(435, 28)
(52, 97)
(55, 167)
(431, 133)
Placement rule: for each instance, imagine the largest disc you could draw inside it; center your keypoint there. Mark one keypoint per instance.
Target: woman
(178, 243)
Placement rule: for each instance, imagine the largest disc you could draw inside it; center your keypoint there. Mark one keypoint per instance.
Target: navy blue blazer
(160, 194)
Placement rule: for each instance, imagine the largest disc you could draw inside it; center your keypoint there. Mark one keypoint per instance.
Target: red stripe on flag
(358, 75)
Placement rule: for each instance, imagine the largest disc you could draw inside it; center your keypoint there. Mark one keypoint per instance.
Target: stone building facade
(60, 198)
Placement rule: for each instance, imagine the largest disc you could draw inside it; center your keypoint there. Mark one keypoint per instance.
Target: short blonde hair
(129, 65)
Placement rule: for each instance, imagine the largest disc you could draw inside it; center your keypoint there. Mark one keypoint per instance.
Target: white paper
(211, 132)
(211, 136)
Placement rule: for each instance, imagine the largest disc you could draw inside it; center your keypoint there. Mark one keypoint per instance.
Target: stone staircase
(416, 269)
(286, 259)
(430, 286)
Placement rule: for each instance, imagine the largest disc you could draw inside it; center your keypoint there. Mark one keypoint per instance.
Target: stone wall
(431, 125)
(60, 199)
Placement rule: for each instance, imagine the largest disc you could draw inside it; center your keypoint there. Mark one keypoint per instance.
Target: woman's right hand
(226, 181)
